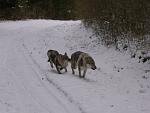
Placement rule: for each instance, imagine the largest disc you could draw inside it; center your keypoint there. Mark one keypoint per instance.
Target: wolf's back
(75, 56)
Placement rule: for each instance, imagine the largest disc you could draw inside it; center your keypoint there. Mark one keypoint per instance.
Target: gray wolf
(60, 61)
(83, 61)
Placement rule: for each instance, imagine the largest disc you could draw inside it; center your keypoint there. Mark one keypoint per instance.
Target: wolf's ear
(65, 54)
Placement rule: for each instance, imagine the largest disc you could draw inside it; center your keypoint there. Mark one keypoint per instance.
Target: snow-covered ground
(29, 85)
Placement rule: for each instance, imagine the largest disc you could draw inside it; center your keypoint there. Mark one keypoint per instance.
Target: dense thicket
(22, 9)
(122, 23)
(125, 15)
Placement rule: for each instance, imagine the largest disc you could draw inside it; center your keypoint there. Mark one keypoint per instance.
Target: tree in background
(22, 9)
(63, 9)
(7, 7)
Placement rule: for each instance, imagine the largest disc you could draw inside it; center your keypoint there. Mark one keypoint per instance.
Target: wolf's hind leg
(72, 70)
(72, 67)
(79, 71)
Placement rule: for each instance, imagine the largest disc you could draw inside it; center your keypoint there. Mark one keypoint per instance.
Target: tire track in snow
(51, 82)
(32, 61)
(26, 90)
(65, 94)
(17, 80)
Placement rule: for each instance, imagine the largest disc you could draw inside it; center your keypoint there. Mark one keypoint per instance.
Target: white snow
(29, 85)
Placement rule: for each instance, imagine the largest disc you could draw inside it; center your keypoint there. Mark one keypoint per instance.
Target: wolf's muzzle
(94, 67)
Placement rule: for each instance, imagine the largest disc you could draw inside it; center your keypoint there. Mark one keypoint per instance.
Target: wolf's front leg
(84, 72)
(58, 69)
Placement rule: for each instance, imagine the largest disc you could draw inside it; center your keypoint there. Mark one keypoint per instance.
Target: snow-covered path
(22, 88)
(29, 85)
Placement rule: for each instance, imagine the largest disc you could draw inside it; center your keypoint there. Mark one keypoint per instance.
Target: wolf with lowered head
(83, 61)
